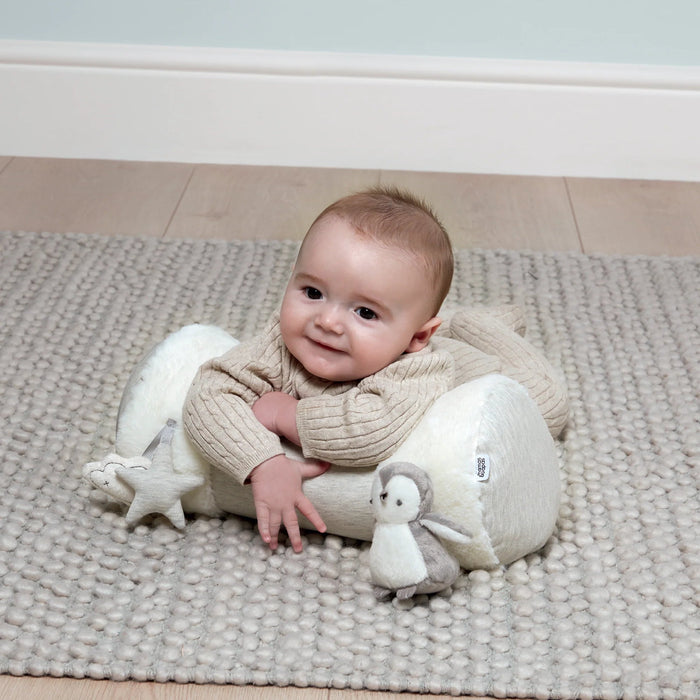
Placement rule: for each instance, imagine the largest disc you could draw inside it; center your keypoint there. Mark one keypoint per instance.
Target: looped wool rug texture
(608, 609)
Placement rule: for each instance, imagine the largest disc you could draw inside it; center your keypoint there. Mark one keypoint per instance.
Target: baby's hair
(397, 218)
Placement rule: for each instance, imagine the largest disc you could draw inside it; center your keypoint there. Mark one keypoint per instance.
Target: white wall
(534, 87)
(660, 32)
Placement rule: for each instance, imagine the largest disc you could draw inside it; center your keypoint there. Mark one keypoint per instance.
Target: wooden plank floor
(174, 200)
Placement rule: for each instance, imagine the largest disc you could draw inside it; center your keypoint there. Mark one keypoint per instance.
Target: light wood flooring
(174, 200)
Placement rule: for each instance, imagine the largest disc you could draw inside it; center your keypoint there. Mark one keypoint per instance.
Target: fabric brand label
(482, 467)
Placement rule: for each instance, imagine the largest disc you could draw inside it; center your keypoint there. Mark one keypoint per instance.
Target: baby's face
(353, 306)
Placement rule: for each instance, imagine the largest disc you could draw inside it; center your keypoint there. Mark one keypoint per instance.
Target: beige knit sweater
(355, 424)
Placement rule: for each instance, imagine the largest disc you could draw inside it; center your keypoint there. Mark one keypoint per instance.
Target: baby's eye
(312, 293)
(365, 313)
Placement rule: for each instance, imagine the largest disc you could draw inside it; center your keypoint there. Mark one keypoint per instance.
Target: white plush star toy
(158, 489)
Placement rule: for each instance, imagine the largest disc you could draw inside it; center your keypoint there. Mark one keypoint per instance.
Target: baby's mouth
(325, 346)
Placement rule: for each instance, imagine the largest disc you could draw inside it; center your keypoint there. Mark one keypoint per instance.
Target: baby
(351, 362)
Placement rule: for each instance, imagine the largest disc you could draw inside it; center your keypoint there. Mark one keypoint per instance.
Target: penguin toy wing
(445, 529)
(441, 566)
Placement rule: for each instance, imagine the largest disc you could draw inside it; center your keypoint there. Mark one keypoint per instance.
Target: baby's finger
(263, 516)
(291, 525)
(312, 468)
(274, 528)
(307, 508)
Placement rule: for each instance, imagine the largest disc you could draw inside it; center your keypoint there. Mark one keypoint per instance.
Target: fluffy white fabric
(156, 392)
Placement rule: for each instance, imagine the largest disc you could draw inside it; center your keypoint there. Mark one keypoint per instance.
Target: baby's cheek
(374, 357)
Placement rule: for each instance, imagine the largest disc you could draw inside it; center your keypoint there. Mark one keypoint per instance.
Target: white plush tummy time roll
(484, 444)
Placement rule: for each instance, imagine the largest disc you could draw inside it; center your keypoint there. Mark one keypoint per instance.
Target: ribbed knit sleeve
(517, 359)
(364, 425)
(217, 413)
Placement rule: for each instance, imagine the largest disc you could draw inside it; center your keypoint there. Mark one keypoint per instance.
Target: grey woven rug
(608, 609)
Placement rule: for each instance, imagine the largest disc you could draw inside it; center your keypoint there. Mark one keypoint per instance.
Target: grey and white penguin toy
(407, 556)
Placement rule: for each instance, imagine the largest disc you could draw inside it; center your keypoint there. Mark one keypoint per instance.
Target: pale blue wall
(661, 32)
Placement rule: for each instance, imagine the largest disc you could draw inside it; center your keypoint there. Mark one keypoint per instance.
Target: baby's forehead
(325, 232)
(391, 284)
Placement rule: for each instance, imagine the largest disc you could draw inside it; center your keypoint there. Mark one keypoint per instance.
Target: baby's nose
(329, 318)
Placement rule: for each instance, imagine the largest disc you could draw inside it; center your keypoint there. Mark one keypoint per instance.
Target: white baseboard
(345, 110)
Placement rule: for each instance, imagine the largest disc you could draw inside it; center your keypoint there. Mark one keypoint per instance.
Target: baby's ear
(423, 335)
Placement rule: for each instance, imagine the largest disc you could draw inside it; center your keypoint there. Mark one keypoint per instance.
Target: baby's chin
(328, 373)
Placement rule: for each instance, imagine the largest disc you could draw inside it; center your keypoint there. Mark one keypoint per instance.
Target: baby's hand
(277, 412)
(278, 494)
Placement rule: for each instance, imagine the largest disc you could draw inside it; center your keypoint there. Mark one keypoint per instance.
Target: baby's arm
(364, 425)
(277, 482)
(277, 411)
(219, 419)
